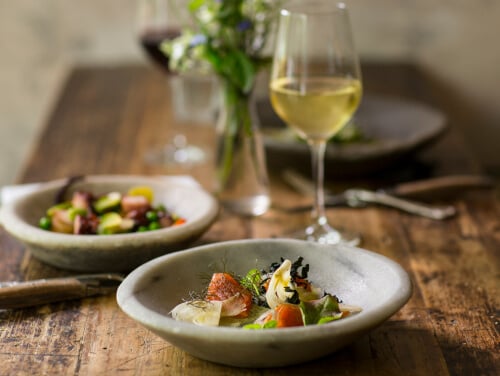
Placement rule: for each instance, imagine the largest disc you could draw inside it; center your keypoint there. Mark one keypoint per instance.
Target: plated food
(359, 277)
(281, 296)
(120, 252)
(86, 213)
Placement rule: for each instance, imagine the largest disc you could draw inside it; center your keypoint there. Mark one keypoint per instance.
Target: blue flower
(197, 40)
(244, 25)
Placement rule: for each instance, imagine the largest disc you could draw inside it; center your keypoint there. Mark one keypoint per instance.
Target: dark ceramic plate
(393, 129)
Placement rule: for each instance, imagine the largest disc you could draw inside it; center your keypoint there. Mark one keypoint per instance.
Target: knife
(43, 291)
(396, 196)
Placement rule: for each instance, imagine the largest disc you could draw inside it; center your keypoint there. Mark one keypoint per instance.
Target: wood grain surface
(104, 121)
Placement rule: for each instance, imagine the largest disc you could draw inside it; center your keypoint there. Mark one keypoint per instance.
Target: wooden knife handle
(441, 186)
(38, 292)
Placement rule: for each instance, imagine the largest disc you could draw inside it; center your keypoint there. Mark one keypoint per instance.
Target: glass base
(325, 234)
(179, 152)
(248, 206)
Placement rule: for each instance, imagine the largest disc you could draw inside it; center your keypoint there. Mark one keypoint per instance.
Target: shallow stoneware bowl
(110, 253)
(358, 277)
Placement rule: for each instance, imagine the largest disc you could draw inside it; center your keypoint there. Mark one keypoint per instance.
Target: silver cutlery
(395, 197)
(362, 197)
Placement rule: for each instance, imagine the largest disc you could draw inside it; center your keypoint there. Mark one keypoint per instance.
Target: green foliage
(227, 37)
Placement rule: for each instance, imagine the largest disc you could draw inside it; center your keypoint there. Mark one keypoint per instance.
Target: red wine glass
(157, 21)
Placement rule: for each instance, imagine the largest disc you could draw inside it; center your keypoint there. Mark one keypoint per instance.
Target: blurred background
(455, 41)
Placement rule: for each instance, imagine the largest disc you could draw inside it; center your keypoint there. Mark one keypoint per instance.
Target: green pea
(154, 226)
(45, 223)
(142, 229)
(152, 216)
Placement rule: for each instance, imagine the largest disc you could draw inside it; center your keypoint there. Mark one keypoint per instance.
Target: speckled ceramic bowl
(110, 253)
(359, 277)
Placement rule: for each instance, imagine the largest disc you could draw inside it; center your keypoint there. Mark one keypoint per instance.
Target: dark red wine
(151, 41)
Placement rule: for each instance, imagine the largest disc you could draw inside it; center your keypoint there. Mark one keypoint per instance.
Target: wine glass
(192, 94)
(315, 87)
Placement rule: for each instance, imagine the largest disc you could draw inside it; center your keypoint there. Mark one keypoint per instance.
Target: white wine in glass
(315, 88)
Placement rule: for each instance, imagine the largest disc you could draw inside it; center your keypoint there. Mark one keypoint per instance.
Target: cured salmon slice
(237, 300)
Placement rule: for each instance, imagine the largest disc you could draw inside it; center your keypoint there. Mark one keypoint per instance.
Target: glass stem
(318, 153)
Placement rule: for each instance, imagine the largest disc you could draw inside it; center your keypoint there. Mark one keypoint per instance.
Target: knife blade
(424, 188)
(444, 186)
(51, 290)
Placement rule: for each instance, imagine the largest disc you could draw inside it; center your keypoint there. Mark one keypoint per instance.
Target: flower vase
(242, 180)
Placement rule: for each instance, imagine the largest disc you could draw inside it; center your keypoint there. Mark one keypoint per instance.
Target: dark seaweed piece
(294, 299)
(296, 266)
(274, 266)
(297, 270)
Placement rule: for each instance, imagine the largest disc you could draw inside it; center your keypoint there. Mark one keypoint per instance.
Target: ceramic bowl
(358, 277)
(110, 253)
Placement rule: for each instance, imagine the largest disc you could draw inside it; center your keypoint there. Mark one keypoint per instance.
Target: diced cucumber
(107, 202)
(62, 206)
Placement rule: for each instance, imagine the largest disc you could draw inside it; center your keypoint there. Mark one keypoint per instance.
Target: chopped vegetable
(279, 298)
(108, 202)
(321, 310)
(200, 312)
(349, 134)
(111, 213)
(143, 191)
(113, 223)
(281, 287)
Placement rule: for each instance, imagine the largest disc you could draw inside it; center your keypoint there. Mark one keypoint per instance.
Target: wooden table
(104, 120)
